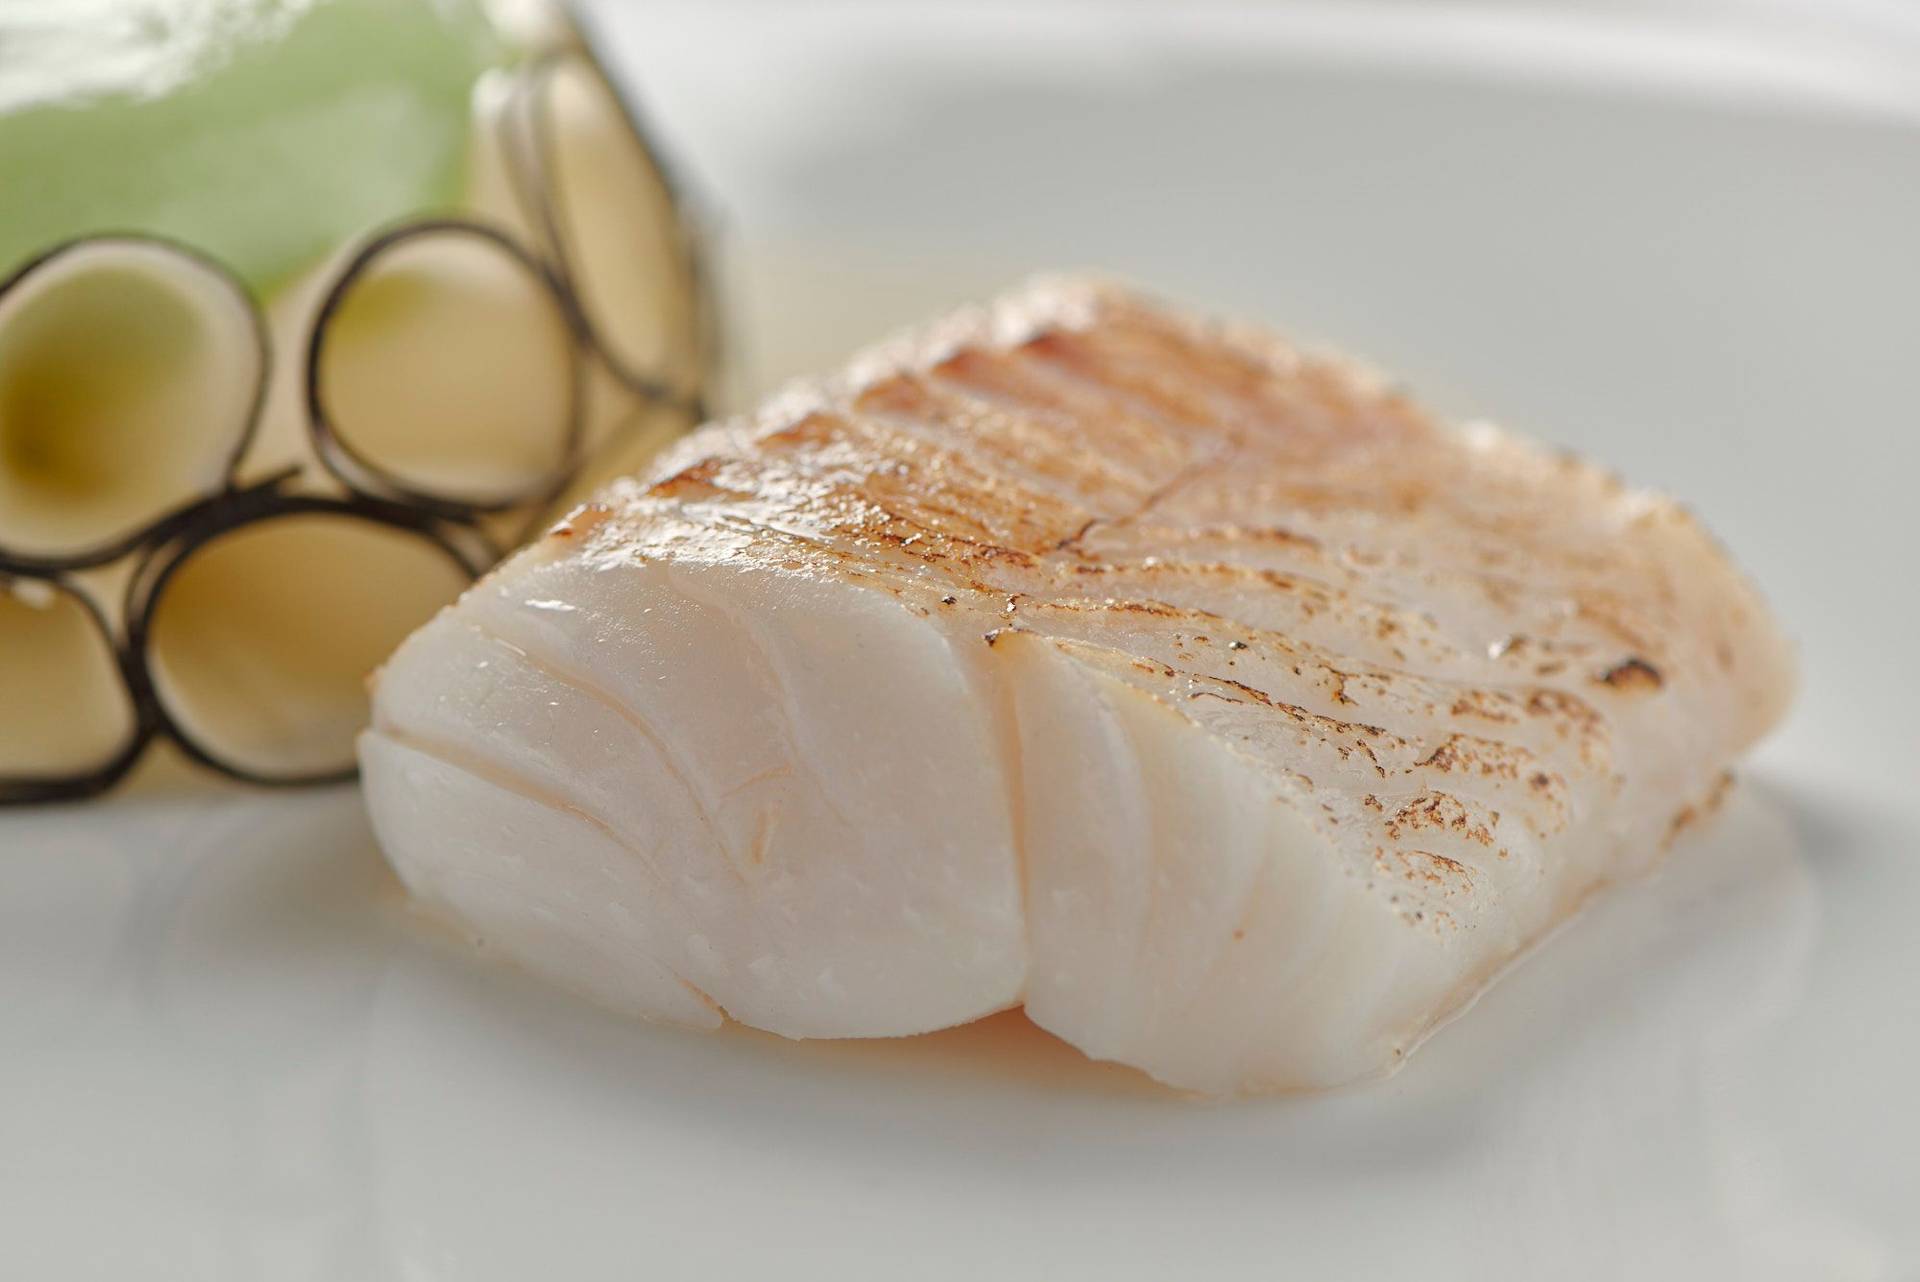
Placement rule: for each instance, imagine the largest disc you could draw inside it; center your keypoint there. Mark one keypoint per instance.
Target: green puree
(263, 132)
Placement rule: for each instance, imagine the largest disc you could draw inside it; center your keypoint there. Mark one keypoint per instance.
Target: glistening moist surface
(1200, 694)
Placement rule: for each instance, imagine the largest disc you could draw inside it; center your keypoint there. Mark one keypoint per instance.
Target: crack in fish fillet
(574, 681)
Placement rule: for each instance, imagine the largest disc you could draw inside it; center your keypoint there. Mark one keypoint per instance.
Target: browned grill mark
(1632, 674)
(1485, 705)
(581, 520)
(1469, 754)
(1293, 712)
(1442, 811)
(1425, 869)
(1705, 808)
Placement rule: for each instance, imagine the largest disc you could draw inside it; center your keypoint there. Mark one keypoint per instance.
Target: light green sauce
(263, 132)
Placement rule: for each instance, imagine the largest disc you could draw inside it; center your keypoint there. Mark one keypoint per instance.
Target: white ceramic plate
(1682, 238)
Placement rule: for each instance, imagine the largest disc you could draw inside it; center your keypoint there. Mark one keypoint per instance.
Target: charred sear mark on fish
(1633, 674)
(1443, 812)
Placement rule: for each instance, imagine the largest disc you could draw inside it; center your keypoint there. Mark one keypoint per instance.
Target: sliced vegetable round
(616, 229)
(258, 637)
(70, 723)
(443, 369)
(130, 374)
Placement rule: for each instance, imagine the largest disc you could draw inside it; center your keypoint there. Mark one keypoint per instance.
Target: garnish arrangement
(238, 463)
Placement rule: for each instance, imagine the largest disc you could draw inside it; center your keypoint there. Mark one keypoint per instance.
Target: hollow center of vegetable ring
(125, 373)
(448, 368)
(261, 640)
(66, 710)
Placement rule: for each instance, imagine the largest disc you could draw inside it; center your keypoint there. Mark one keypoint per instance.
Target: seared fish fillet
(1200, 694)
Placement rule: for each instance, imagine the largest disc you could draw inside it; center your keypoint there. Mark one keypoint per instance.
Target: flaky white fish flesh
(1199, 694)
